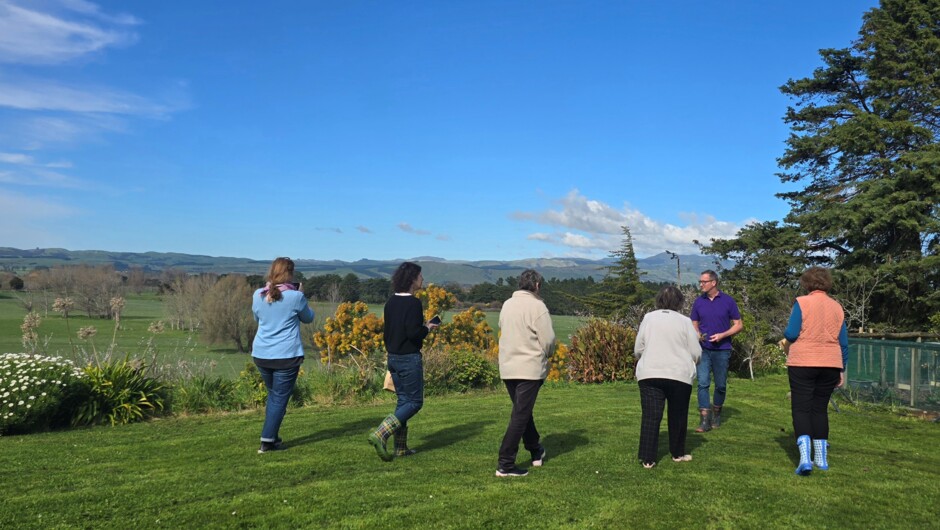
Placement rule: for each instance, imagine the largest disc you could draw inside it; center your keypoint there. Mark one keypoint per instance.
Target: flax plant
(64, 305)
(87, 334)
(117, 305)
(30, 336)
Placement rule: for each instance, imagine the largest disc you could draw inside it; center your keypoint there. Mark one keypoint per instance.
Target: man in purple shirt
(716, 318)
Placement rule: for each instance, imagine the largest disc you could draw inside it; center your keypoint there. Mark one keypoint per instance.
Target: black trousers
(810, 390)
(654, 395)
(522, 392)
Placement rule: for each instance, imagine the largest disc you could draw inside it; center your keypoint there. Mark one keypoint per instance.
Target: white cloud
(43, 109)
(36, 132)
(592, 226)
(27, 222)
(15, 208)
(26, 160)
(37, 94)
(405, 227)
(56, 35)
(363, 229)
(41, 177)
(16, 158)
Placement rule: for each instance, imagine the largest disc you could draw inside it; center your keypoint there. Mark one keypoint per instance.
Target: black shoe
(538, 457)
(511, 472)
(271, 446)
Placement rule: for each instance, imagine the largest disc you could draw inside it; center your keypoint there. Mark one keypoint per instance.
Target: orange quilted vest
(818, 343)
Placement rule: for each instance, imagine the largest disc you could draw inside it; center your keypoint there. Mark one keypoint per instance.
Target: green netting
(899, 372)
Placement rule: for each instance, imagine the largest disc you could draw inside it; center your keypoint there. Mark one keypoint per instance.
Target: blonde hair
(281, 271)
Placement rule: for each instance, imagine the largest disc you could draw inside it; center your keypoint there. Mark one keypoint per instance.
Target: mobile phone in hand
(436, 320)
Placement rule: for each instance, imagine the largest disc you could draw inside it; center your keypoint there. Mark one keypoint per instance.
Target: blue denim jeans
(713, 362)
(408, 375)
(280, 385)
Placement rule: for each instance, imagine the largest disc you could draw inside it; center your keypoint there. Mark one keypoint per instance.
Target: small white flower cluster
(27, 379)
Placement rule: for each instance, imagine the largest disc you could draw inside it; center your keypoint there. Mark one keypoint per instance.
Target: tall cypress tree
(621, 289)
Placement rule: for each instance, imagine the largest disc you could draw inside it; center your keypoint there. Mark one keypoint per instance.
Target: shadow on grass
(356, 428)
(451, 435)
(557, 444)
(693, 441)
(788, 444)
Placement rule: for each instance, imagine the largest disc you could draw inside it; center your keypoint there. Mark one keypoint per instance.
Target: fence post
(915, 373)
(883, 380)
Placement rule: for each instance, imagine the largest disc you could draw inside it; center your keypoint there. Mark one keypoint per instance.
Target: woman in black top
(405, 330)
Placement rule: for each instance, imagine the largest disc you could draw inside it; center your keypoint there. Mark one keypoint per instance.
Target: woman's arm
(695, 347)
(639, 345)
(304, 313)
(415, 329)
(844, 345)
(545, 333)
(795, 324)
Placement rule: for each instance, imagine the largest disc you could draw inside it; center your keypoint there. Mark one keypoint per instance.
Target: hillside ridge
(658, 268)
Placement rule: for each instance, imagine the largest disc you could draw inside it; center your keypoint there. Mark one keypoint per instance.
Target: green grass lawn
(203, 471)
(132, 337)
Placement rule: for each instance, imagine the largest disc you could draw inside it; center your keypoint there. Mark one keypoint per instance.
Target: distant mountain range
(658, 268)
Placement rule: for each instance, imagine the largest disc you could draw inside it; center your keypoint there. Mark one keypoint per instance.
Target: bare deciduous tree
(226, 313)
(183, 298)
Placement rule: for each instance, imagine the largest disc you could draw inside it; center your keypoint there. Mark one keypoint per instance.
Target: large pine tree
(864, 148)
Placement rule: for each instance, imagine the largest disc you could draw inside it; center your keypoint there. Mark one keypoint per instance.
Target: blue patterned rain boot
(806, 466)
(820, 454)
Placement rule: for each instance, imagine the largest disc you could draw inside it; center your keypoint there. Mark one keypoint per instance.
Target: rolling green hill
(656, 268)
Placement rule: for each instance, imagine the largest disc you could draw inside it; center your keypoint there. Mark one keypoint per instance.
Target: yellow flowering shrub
(435, 300)
(352, 329)
(558, 364)
(467, 330)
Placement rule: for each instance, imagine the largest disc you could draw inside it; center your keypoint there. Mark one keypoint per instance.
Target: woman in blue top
(277, 351)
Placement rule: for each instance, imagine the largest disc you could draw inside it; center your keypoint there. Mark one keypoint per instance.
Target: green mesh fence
(896, 372)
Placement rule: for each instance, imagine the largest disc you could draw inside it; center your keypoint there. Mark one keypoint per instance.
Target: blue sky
(345, 130)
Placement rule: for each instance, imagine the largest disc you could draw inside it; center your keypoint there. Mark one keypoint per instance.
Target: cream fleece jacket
(666, 347)
(527, 339)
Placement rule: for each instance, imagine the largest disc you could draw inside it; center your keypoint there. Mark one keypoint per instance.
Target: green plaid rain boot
(401, 442)
(379, 437)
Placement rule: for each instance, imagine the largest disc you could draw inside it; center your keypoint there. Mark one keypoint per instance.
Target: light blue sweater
(278, 334)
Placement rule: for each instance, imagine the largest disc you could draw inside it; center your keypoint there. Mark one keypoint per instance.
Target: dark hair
(816, 279)
(405, 276)
(281, 271)
(712, 275)
(669, 297)
(530, 280)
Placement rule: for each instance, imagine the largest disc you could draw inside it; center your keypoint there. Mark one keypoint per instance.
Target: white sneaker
(537, 461)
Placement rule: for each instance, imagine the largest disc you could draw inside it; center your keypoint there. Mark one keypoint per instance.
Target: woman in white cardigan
(667, 349)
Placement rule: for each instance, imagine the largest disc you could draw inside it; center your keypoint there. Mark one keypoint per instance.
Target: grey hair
(530, 280)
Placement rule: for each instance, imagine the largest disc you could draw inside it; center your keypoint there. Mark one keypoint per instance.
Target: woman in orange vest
(818, 351)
